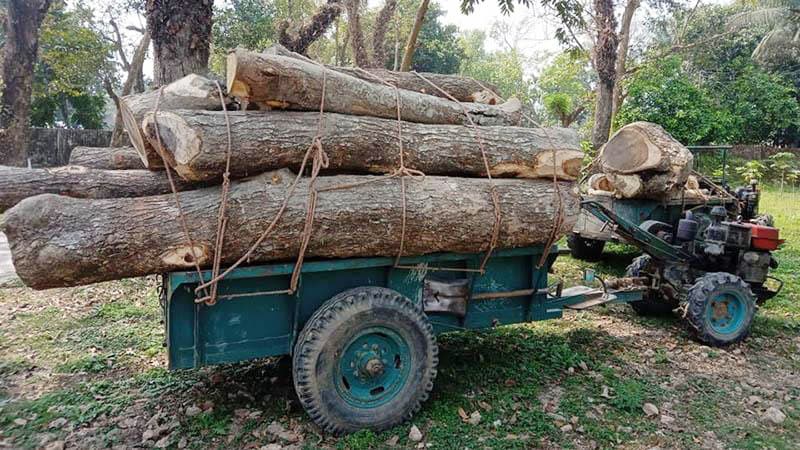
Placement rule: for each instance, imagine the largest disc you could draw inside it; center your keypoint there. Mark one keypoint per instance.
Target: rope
(558, 222)
(492, 187)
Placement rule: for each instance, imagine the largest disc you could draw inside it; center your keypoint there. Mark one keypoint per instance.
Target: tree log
(462, 88)
(106, 158)
(18, 183)
(57, 241)
(641, 160)
(196, 145)
(190, 92)
(274, 81)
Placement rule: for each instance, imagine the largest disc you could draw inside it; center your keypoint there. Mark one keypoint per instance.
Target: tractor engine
(742, 246)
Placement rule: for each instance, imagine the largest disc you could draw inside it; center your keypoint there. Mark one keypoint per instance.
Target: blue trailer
(362, 331)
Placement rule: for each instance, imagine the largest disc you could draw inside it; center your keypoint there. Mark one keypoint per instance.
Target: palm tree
(781, 18)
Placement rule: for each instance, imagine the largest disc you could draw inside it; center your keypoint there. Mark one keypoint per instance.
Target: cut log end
(149, 156)
(179, 137)
(629, 151)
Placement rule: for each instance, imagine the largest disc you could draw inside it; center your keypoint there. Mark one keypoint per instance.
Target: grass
(93, 357)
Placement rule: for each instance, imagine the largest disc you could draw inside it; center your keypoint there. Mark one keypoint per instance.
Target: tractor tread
(697, 297)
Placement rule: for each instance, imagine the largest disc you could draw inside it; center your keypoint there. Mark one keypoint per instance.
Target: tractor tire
(651, 303)
(584, 248)
(367, 358)
(720, 309)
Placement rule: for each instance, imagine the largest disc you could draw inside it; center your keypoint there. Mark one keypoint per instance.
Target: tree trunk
(189, 92)
(642, 160)
(462, 88)
(106, 158)
(57, 241)
(313, 29)
(360, 55)
(274, 81)
(181, 33)
(379, 35)
(196, 142)
(23, 19)
(604, 56)
(622, 53)
(134, 73)
(18, 183)
(411, 44)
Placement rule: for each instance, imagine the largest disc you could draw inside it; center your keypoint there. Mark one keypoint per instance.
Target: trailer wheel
(366, 358)
(720, 309)
(651, 303)
(584, 248)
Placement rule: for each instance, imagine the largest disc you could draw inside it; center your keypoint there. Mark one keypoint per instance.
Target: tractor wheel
(651, 303)
(366, 358)
(720, 309)
(585, 249)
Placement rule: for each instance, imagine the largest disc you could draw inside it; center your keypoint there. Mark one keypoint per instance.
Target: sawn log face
(59, 241)
(267, 140)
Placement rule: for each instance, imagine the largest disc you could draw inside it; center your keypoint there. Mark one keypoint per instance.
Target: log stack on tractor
(293, 159)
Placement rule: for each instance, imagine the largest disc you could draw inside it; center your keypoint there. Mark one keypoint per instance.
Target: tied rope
(320, 161)
(558, 222)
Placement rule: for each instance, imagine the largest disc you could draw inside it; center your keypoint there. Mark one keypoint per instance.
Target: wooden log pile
(468, 170)
(642, 160)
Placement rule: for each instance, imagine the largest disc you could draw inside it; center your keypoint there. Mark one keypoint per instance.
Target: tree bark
(622, 53)
(642, 160)
(360, 55)
(190, 92)
(604, 55)
(23, 19)
(196, 145)
(313, 29)
(134, 73)
(57, 241)
(411, 44)
(379, 34)
(274, 81)
(462, 88)
(18, 183)
(106, 158)
(181, 33)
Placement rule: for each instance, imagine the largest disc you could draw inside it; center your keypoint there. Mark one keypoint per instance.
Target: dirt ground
(85, 368)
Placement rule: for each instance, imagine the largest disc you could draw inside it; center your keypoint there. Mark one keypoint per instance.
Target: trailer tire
(720, 309)
(585, 248)
(651, 303)
(367, 358)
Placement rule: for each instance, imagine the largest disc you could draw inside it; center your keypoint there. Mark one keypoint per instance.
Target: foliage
(505, 69)
(781, 39)
(752, 170)
(438, 48)
(242, 23)
(662, 93)
(785, 165)
(73, 59)
(566, 87)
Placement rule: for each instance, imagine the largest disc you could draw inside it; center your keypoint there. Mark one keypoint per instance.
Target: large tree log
(18, 183)
(274, 81)
(190, 92)
(196, 145)
(59, 241)
(106, 158)
(641, 160)
(462, 88)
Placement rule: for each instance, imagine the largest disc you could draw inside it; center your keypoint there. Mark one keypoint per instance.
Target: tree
(242, 23)
(24, 17)
(604, 59)
(566, 87)
(781, 19)
(411, 44)
(74, 59)
(312, 30)
(504, 69)
(784, 163)
(181, 34)
(438, 48)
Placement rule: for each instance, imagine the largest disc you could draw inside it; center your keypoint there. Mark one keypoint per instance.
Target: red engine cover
(764, 238)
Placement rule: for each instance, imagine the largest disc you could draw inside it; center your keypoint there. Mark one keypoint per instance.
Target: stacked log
(641, 160)
(108, 158)
(92, 224)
